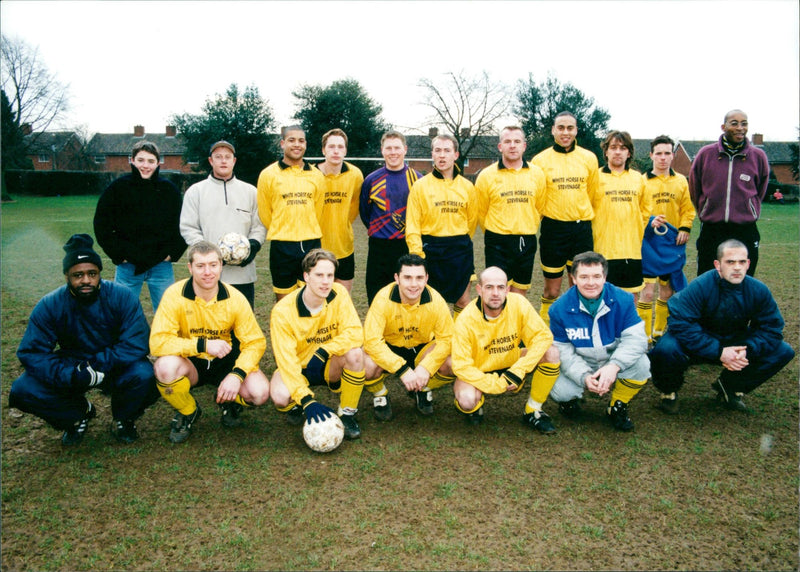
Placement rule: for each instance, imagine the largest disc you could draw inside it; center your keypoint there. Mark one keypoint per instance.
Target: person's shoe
(669, 403)
(75, 435)
(476, 417)
(424, 401)
(295, 416)
(540, 421)
(231, 414)
(731, 400)
(570, 409)
(182, 425)
(351, 428)
(618, 415)
(124, 431)
(382, 408)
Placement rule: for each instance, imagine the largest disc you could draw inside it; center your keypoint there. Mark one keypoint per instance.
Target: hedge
(64, 183)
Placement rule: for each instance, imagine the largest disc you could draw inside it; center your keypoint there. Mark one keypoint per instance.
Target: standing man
(222, 204)
(382, 207)
(291, 197)
(511, 195)
(723, 317)
(317, 339)
(621, 211)
(498, 340)
(137, 224)
(442, 215)
(407, 333)
(572, 182)
(193, 339)
(669, 197)
(342, 190)
(601, 341)
(101, 334)
(728, 183)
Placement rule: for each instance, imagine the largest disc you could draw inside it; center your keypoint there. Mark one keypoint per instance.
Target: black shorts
(316, 371)
(450, 264)
(626, 273)
(409, 354)
(560, 241)
(381, 262)
(347, 267)
(513, 253)
(285, 263)
(213, 371)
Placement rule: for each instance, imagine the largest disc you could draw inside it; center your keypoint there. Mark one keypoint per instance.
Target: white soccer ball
(324, 436)
(235, 247)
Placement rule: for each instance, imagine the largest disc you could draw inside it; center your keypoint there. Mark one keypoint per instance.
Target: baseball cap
(222, 143)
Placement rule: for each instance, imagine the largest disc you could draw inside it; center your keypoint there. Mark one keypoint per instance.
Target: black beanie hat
(79, 250)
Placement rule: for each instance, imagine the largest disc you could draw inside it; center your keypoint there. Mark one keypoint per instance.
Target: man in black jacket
(137, 223)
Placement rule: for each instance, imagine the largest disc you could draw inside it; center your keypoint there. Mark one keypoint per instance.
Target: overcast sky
(670, 67)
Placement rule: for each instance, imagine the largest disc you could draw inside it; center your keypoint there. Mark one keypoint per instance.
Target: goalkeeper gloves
(314, 410)
(86, 376)
(255, 246)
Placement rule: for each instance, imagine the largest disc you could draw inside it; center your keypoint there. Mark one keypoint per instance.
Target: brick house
(482, 154)
(112, 151)
(55, 150)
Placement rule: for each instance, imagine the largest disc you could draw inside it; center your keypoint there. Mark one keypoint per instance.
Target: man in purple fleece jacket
(728, 182)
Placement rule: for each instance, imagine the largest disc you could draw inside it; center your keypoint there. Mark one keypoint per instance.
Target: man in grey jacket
(222, 204)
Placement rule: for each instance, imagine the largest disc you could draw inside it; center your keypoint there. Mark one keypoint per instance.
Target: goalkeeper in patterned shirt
(498, 340)
(205, 332)
(317, 339)
(407, 333)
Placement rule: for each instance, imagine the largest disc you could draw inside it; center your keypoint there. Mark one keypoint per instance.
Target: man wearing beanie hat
(87, 334)
(136, 224)
(222, 204)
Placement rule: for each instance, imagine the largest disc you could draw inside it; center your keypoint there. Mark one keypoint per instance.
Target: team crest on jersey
(578, 333)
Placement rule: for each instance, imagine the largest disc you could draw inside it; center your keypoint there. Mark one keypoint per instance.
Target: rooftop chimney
(758, 138)
(138, 130)
(465, 132)
(433, 132)
(26, 128)
(170, 131)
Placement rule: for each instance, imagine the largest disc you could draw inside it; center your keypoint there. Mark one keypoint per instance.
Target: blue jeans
(158, 278)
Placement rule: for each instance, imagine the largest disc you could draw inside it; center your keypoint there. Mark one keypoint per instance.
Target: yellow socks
(625, 389)
(544, 378)
(456, 311)
(177, 394)
(438, 380)
(352, 386)
(544, 311)
(662, 313)
(474, 409)
(645, 311)
(376, 386)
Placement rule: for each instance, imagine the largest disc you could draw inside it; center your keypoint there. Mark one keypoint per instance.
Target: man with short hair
(317, 339)
(222, 204)
(572, 182)
(407, 333)
(511, 195)
(441, 217)
(101, 334)
(382, 207)
(727, 317)
(137, 224)
(728, 183)
(342, 190)
(668, 193)
(498, 340)
(601, 341)
(205, 332)
(291, 197)
(621, 211)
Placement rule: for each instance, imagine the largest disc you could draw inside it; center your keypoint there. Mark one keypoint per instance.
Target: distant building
(482, 154)
(54, 150)
(112, 151)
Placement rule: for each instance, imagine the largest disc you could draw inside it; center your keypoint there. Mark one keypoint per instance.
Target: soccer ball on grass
(324, 436)
(235, 248)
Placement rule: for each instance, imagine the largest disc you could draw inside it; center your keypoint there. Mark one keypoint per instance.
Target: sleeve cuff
(201, 345)
(239, 372)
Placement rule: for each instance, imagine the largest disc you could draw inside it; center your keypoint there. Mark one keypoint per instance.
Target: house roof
(777, 151)
(44, 141)
(122, 143)
(419, 147)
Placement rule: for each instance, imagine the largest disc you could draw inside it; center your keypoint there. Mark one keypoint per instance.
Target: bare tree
(35, 96)
(467, 106)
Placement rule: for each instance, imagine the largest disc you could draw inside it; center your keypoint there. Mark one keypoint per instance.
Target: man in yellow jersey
(291, 197)
(621, 211)
(441, 217)
(342, 187)
(498, 340)
(672, 203)
(205, 332)
(317, 339)
(407, 333)
(511, 195)
(566, 229)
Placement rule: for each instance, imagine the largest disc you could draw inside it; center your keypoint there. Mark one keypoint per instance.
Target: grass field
(693, 492)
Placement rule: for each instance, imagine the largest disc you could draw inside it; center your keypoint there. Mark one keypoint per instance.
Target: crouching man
(601, 340)
(204, 331)
(101, 334)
